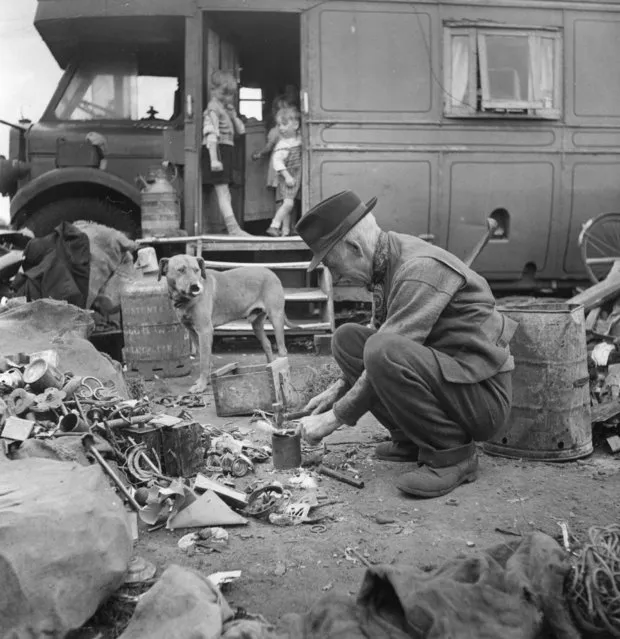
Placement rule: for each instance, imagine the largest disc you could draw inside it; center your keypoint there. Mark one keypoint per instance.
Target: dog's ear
(163, 267)
(203, 268)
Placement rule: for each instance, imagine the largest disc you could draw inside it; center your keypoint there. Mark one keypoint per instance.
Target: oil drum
(550, 415)
(155, 341)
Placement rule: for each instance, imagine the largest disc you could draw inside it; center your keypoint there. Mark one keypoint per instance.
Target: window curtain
(540, 77)
(460, 70)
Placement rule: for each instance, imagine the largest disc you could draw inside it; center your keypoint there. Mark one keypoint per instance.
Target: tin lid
(35, 370)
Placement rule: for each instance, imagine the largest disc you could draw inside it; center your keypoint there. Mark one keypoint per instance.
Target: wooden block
(614, 443)
(603, 412)
(601, 292)
(17, 429)
(183, 451)
(240, 390)
(229, 495)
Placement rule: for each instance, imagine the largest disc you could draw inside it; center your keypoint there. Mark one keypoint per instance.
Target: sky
(28, 72)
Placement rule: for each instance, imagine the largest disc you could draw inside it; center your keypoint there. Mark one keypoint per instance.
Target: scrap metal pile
(601, 304)
(170, 470)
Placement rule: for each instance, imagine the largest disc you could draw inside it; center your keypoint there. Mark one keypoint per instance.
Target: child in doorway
(287, 164)
(282, 101)
(220, 124)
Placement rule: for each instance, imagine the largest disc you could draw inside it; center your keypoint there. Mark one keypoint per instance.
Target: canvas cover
(65, 543)
(512, 591)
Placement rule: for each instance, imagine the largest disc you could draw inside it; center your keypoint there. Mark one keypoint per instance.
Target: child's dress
(217, 121)
(287, 155)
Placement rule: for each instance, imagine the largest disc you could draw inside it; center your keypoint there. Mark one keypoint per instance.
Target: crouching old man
(436, 368)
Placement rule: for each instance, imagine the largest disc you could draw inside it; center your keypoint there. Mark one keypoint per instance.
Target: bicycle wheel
(599, 243)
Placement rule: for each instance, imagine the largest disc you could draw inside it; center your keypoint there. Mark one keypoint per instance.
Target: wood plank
(285, 266)
(193, 105)
(231, 496)
(214, 242)
(603, 412)
(304, 295)
(241, 327)
(601, 292)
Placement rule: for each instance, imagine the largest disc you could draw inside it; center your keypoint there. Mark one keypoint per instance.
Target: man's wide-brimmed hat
(329, 221)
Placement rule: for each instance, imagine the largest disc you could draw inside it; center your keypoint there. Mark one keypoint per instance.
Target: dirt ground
(286, 569)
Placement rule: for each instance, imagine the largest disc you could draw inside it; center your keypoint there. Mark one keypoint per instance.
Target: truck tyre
(47, 217)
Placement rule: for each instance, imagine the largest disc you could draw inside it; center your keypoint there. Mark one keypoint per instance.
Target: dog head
(185, 274)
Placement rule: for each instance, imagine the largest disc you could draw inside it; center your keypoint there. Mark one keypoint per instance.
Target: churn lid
(146, 262)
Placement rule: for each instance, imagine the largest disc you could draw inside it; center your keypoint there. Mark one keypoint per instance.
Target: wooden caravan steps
(309, 296)
(309, 303)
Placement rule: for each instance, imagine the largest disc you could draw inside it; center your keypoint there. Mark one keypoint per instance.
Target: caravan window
(497, 72)
(251, 103)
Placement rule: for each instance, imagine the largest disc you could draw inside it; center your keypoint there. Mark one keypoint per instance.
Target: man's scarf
(379, 271)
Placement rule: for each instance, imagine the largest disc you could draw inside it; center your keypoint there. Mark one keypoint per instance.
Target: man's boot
(440, 471)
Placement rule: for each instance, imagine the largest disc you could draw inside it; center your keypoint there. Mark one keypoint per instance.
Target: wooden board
(600, 292)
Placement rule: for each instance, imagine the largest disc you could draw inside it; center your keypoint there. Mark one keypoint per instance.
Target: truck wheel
(46, 218)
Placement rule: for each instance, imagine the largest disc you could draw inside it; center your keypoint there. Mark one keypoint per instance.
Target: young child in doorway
(287, 164)
(284, 100)
(220, 124)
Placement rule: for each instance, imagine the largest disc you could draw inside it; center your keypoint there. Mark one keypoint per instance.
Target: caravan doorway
(264, 48)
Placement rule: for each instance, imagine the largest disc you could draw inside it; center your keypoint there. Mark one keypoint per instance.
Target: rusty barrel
(155, 341)
(550, 415)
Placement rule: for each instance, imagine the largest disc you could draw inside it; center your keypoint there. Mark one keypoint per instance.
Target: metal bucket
(286, 450)
(550, 415)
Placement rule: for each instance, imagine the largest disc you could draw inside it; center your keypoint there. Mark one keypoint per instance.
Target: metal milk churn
(159, 202)
(155, 341)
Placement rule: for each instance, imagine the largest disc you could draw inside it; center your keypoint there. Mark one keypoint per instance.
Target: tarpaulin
(65, 543)
(512, 591)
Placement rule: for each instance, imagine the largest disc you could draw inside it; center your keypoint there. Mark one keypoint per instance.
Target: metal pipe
(137, 419)
(88, 443)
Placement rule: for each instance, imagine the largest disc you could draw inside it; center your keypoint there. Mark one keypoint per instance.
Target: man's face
(345, 263)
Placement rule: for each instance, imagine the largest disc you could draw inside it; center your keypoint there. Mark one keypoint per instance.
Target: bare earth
(286, 569)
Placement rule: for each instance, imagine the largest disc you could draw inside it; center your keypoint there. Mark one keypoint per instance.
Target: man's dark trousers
(411, 398)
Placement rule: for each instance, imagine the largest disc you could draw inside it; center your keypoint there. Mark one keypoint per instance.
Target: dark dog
(204, 299)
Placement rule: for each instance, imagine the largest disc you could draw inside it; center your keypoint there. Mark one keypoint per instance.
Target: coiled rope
(593, 585)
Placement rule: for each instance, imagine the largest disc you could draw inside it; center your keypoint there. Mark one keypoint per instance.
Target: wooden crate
(240, 390)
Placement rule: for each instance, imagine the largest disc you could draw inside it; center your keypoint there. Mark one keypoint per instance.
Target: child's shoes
(273, 231)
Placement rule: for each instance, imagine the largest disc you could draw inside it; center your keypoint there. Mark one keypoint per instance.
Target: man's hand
(290, 181)
(325, 400)
(315, 427)
(216, 166)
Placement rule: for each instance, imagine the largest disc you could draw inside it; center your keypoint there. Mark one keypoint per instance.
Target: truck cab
(105, 123)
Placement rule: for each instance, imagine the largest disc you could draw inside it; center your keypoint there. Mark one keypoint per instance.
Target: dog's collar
(179, 300)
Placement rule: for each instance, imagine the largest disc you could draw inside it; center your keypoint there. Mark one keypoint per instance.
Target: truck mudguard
(71, 175)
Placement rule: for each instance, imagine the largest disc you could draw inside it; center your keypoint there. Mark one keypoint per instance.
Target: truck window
(502, 72)
(116, 91)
